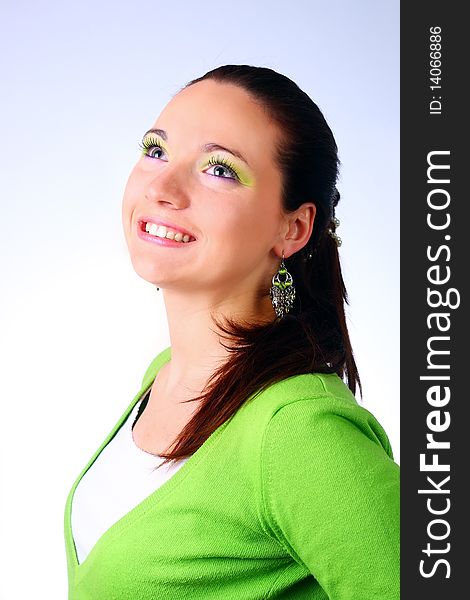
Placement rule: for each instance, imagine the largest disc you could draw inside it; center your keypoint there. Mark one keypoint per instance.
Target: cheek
(246, 227)
(233, 220)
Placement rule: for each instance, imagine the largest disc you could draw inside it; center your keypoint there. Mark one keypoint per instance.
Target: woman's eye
(222, 170)
(152, 150)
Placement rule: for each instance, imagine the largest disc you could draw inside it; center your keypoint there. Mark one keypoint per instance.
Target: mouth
(163, 231)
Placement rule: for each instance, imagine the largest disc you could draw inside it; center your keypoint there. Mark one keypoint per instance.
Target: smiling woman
(244, 467)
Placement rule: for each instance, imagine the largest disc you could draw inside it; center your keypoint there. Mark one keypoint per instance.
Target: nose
(169, 187)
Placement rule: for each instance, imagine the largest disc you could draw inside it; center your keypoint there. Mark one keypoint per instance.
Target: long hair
(313, 336)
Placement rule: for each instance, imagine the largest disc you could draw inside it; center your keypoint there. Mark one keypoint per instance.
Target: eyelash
(147, 144)
(223, 162)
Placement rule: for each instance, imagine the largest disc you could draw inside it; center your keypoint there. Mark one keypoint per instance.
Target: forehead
(224, 113)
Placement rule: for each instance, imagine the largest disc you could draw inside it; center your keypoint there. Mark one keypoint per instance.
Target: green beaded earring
(282, 292)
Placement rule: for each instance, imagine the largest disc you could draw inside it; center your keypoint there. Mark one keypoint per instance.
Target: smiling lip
(158, 240)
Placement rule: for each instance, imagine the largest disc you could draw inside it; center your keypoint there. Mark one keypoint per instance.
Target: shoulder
(312, 404)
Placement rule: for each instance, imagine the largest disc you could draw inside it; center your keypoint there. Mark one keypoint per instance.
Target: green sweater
(296, 496)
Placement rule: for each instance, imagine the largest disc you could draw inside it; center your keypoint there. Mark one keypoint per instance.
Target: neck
(196, 348)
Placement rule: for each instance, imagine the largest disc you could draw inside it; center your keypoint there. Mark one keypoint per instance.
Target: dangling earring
(282, 292)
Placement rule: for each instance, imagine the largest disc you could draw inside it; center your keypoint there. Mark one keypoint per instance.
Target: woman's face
(226, 198)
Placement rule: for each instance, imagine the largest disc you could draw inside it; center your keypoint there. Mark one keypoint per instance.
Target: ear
(297, 229)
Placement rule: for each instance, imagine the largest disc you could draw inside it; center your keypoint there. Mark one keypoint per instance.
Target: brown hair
(313, 336)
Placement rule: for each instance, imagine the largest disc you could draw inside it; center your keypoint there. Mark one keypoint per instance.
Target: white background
(81, 82)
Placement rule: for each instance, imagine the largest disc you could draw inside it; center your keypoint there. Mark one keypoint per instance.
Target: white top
(119, 479)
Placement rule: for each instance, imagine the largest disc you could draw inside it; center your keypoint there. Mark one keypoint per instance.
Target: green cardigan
(296, 496)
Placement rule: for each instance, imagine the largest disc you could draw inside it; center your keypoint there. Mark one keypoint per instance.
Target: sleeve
(331, 496)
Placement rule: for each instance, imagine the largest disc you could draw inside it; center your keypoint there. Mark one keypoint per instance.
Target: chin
(151, 272)
(146, 269)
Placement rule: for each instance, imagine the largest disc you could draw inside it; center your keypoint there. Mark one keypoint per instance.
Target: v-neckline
(165, 488)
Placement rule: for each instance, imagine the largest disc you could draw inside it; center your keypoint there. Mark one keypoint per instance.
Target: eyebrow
(209, 147)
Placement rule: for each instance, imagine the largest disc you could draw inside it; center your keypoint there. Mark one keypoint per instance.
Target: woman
(244, 467)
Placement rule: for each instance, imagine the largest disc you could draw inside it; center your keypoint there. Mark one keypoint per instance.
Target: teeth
(165, 232)
(161, 231)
